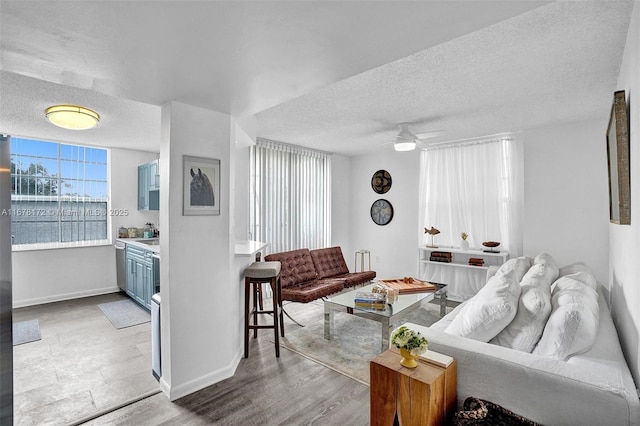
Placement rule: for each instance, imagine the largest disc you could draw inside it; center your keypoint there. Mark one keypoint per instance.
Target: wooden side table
(425, 395)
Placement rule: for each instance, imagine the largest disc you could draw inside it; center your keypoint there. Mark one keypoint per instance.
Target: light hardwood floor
(83, 365)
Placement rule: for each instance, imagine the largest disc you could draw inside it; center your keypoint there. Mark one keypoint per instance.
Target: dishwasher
(121, 265)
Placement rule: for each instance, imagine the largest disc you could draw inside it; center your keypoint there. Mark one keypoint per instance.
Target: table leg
(328, 321)
(443, 303)
(386, 332)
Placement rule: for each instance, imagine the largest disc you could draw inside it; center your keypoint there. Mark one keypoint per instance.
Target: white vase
(464, 245)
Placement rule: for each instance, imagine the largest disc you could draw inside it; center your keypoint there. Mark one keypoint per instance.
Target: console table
(463, 280)
(425, 395)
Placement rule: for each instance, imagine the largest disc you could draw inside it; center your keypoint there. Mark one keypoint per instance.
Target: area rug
(25, 332)
(354, 340)
(124, 313)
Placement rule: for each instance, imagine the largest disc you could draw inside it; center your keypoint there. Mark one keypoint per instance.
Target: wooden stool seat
(254, 276)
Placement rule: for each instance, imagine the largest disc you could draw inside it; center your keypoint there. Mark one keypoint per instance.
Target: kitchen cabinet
(141, 280)
(149, 186)
(154, 175)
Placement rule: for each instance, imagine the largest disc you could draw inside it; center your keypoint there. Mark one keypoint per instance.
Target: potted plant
(464, 244)
(411, 344)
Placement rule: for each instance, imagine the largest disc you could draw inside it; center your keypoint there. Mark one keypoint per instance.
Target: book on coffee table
(370, 300)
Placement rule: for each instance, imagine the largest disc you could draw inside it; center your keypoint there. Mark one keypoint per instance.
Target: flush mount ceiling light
(73, 117)
(405, 146)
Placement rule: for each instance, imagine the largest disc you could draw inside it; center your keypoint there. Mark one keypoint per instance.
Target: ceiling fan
(406, 140)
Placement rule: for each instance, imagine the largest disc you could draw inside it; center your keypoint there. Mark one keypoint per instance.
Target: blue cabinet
(140, 275)
(149, 186)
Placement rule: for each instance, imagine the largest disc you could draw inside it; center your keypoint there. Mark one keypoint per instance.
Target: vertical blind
(290, 196)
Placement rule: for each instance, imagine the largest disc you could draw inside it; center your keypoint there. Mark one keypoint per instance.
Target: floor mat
(124, 313)
(25, 332)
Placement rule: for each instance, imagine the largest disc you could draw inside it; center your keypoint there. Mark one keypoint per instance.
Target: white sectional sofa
(574, 373)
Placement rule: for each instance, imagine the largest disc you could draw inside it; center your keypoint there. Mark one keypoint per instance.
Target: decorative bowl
(491, 244)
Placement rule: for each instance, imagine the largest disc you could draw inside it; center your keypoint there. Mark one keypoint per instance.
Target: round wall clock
(381, 212)
(381, 181)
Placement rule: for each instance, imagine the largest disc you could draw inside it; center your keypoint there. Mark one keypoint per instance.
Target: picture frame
(618, 161)
(201, 186)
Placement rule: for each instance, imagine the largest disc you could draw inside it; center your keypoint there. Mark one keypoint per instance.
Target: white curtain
(474, 186)
(290, 196)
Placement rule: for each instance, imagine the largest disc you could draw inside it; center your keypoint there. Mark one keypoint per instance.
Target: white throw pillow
(534, 308)
(580, 272)
(546, 258)
(489, 311)
(573, 323)
(519, 266)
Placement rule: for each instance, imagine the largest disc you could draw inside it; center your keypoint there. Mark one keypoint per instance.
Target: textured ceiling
(557, 63)
(335, 76)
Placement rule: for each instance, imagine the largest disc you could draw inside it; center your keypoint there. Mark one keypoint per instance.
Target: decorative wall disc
(381, 181)
(381, 212)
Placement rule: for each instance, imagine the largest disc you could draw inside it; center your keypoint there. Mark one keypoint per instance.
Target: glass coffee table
(405, 303)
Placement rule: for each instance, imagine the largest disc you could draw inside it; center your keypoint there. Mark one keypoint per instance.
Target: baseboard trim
(177, 392)
(62, 297)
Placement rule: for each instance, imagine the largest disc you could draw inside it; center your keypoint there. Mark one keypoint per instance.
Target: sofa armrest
(541, 389)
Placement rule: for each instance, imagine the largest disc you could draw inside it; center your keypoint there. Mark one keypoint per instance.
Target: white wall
(199, 296)
(341, 206)
(394, 247)
(624, 240)
(42, 276)
(245, 137)
(566, 205)
(124, 188)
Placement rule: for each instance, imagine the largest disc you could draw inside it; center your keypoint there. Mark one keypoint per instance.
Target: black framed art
(201, 186)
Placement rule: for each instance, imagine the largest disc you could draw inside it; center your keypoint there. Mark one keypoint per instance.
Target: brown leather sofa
(307, 275)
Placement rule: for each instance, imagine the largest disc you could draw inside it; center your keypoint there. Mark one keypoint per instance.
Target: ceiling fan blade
(430, 135)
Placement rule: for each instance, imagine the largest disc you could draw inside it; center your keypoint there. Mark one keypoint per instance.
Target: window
(474, 186)
(290, 196)
(59, 193)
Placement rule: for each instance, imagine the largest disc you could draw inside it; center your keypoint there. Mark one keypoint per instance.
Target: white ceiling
(335, 76)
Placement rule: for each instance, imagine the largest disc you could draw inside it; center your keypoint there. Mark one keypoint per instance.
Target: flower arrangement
(409, 340)
(464, 236)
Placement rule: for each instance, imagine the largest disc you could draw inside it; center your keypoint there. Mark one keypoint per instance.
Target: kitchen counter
(243, 248)
(249, 248)
(151, 244)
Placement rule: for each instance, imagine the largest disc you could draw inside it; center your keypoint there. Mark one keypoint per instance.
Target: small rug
(354, 340)
(124, 313)
(25, 332)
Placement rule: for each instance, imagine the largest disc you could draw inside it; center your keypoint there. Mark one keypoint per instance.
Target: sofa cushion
(329, 262)
(355, 278)
(296, 267)
(573, 323)
(312, 290)
(490, 310)
(534, 308)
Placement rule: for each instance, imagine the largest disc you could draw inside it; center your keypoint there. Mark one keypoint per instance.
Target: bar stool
(254, 275)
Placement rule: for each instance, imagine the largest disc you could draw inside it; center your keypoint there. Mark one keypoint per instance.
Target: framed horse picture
(201, 186)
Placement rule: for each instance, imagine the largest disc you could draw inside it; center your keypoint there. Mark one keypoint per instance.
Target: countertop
(243, 248)
(140, 242)
(249, 248)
